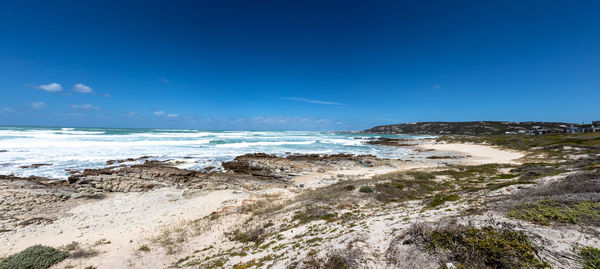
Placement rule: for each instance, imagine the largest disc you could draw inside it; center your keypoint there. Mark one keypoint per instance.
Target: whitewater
(66, 149)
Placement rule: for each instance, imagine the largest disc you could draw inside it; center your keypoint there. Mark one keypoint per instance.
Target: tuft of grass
(590, 257)
(349, 188)
(144, 248)
(537, 170)
(34, 257)
(485, 247)
(545, 212)
(467, 171)
(366, 189)
(394, 187)
(315, 213)
(420, 175)
(500, 185)
(336, 259)
(257, 236)
(440, 199)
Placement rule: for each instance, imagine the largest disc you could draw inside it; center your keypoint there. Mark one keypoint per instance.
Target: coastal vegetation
(590, 257)
(34, 257)
(470, 247)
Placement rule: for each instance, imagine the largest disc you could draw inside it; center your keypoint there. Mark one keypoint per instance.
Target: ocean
(67, 149)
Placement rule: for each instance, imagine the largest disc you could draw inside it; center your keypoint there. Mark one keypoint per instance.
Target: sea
(66, 149)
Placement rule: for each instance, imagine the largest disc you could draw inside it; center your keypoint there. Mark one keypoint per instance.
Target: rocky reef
(284, 168)
(36, 200)
(25, 201)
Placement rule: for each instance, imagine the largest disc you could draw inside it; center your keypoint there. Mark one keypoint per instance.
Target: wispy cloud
(437, 87)
(159, 113)
(172, 115)
(52, 87)
(81, 88)
(107, 95)
(85, 107)
(38, 105)
(4, 110)
(312, 101)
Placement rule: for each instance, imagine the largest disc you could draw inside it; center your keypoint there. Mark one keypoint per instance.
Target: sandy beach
(116, 226)
(479, 154)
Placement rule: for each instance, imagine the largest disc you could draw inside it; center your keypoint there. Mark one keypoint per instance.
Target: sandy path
(124, 219)
(480, 154)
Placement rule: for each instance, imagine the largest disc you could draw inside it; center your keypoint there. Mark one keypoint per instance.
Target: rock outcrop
(285, 168)
(25, 201)
(151, 175)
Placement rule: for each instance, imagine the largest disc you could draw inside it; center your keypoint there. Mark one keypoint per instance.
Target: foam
(75, 148)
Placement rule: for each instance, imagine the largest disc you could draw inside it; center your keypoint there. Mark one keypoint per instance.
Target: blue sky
(308, 65)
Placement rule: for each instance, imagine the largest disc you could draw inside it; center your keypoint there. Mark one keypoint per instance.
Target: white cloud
(80, 88)
(173, 115)
(52, 87)
(312, 101)
(437, 86)
(6, 110)
(107, 95)
(38, 105)
(159, 113)
(85, 107)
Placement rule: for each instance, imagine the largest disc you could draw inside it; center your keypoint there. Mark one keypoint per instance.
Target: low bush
(440, 199)
(472, 247)
(34, 257)
(590, 257)
(311, 213)
(366, 189)
(420, 175)
(257, 236)
(547, 211)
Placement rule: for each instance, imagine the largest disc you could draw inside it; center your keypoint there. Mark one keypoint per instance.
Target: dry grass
(172, 237)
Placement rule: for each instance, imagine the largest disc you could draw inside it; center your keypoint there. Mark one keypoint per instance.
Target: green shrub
(420, 175)
(546, 211)
(440, 199)
(34, 257)
(315, 213)
(366, 189)
(257, 236)
(500, 185)
(485, 247)
(591, 257)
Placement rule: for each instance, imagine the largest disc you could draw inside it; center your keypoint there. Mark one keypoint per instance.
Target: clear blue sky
(310, 65)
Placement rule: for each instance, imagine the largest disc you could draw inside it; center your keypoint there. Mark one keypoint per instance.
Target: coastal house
(573, 129)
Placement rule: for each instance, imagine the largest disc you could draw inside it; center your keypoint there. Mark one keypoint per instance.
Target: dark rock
(35, 165)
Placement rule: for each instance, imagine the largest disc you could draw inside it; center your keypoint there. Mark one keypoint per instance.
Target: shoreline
(132, 219)
(121, 217)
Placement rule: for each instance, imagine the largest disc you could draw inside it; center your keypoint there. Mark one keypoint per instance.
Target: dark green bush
(485, 247)
(547, 211)
(440, 199)
(591, 257)
(366, 189)
(34, 257)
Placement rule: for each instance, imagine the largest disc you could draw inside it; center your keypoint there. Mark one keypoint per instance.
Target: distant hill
(463, 128)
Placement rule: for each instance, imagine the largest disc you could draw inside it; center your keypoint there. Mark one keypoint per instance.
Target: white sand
(124, 219)
(479, 154)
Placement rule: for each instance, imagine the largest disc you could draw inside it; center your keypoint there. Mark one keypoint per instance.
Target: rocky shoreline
(38, 200)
